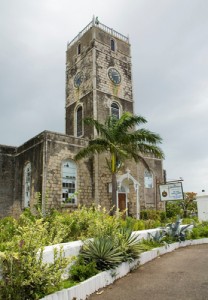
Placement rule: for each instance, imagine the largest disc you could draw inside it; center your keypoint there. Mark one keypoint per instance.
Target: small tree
(188, 204)
(121, 141)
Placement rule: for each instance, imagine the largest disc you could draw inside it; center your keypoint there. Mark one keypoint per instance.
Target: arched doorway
(123, 183)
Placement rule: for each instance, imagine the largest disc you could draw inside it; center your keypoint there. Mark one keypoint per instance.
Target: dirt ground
(179, 275)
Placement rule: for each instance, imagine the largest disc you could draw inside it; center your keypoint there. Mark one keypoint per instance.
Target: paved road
(179, 275)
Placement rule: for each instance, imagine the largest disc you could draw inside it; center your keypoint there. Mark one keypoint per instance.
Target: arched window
(148, 179)
(79, 49)
(115, 110)
(69, 176)
(27, 184)
(79, 123)
(112, 43)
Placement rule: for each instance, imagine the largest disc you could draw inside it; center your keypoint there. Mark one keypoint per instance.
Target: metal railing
(105, 28)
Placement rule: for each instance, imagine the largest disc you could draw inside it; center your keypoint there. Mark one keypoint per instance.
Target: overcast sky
(169, 40)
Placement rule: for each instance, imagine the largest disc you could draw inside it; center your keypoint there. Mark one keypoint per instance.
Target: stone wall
(7, 168)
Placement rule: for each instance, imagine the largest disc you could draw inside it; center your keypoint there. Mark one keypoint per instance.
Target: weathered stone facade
(38, 165)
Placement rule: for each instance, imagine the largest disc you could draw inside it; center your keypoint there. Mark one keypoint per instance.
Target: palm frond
(144, 135)
(88, 151)
(128, 121)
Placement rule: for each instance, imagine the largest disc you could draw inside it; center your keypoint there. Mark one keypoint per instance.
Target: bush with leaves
(176, 232)
(24, 274)
(199, 231)
(129, 244)
(109, 251)
(102, 251)
(8, 228)
(81, 271)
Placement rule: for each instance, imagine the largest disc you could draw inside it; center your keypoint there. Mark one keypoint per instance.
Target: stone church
(98, 83)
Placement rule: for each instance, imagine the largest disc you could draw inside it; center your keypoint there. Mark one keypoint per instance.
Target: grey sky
(169, 41)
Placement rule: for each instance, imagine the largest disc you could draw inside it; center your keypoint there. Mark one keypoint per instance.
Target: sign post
(171, 191)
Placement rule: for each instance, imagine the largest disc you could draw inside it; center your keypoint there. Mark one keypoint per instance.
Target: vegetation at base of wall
(24, 274)
(21, 239)
(81, 271)
(200, 231)
(186, 208)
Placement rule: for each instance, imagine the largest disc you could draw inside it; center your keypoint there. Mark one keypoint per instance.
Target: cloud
(169, 42)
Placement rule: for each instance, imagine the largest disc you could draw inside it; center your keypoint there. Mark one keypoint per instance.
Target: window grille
(69, 174)
(115, 110)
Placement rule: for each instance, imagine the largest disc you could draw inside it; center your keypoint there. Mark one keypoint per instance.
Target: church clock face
(78, 79)
(114, 76)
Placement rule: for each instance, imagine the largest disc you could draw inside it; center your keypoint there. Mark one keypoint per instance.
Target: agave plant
(129, 244)
(103, 251)
(158, 236)
(176, 231)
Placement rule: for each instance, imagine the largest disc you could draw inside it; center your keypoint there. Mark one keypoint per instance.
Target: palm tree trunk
(114, 183)
(114, 193)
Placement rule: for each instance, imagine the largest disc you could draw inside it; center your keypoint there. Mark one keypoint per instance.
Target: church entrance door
(122, 201)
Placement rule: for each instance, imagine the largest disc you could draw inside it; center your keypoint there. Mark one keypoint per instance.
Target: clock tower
(99, 84)
(98, 77)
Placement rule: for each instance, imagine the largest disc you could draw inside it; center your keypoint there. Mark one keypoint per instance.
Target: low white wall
(73, 248)
(91, 285)
(69, 249)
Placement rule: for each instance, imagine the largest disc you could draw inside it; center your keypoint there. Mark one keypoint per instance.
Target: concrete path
(179, 275)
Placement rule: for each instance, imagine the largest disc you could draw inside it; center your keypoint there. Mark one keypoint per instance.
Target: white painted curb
(91, 285)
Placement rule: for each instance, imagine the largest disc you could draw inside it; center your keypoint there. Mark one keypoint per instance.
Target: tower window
(69, 175)
(79, 121)
(148, 179)
(27, 184)
(112, 43)
(79, 49)
(115, 110)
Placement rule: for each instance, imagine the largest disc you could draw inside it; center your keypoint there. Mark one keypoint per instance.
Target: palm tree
(121, 141)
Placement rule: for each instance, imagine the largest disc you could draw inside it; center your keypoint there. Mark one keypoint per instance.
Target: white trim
(105, 278)
(128, 176)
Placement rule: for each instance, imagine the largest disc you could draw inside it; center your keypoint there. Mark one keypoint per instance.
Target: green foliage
(150, 214)
(109, 251)
(200, 231)
(8, 230)
(150, 243)
(153, 218)
(129, 244)
(133, 224)
(176, 232)
(149, 224)
(103, 251)
(81, 271)
(185, 208)
(158, 236)
(173, 209)
(119, 142)
(24, 274)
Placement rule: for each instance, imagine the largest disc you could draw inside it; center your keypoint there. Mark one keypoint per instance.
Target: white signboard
(171, 191)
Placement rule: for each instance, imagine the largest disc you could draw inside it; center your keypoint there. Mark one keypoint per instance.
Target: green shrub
(150, 214)
(81, 270)
(200, 231)
(8, 228)
(149, 224)
(103, 252)
(129, 244)
(173, 209)
(24, 274)
(176, 232)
